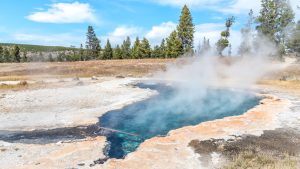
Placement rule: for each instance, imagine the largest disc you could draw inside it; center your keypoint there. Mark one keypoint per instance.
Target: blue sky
(64, 22)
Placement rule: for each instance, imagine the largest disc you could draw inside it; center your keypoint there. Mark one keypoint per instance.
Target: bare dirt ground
(79, 85)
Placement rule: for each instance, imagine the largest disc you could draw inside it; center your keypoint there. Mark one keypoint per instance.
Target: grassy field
(133, 68)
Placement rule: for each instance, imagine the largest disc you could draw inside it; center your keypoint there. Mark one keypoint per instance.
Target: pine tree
(247, 36)
(92, 44)
(40, 58)
(50, 58)
(223, 42)
(204, 46)
(156, 53)
(162, 49)
(126, 50)
(24, 57)
(7, 56)
(1, 54)
(16, 54)
(145, 49)
(294, 41)
(186, 30)
(275, 16)
(174, 46)
(108, 52)
(136, 52)
(81, 53)
(117, 52)
(61, 57)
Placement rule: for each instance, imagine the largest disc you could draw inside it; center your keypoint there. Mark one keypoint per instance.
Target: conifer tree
(7, 57)
(223, 42)
(16, 54)
(162, 49)
(204, 46)
(50, 58)
(24, 57)
(126, 48)
(81, 53)
(186, 30)
(92, 44)
(247, 36)
(1, 54)
(156, 53)
(117, 52)
(174, 46)
(275, 16)
(145, 49)
(294, 40)
(136, 52)
(108, 52)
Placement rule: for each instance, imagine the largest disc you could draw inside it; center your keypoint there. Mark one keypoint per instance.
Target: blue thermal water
(167, 111)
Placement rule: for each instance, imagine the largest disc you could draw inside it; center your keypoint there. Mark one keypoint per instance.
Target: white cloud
(191, 3)
(225, 6)
(65, 39)
(65, 13)
(157, 33)
(120, 34)
(242, 6)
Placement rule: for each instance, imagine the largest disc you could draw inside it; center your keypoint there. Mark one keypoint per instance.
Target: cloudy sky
(64, 22)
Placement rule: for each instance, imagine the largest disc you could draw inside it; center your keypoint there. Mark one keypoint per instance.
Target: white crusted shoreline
(66, 107)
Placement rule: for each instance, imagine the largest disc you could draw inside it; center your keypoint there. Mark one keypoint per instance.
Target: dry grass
(136, 68)
(250, 160)
(289, 85)
(21, 85)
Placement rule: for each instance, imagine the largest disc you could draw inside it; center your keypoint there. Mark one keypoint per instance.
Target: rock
(76, 79)
(81, 164)
(94, 78)
(23, 83)
(120, 77)
(80, 83)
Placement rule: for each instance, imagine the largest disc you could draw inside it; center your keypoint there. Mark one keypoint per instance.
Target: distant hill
(39, 48)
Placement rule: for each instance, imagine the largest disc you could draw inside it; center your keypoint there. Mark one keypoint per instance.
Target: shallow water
(167, 111)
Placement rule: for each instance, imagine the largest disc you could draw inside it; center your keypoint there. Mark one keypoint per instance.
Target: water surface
(170, 110)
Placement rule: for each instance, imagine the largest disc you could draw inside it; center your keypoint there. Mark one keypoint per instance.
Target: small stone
(80, 83)
(94, 78)
(81, 164)
(120, 77)
(76, 79)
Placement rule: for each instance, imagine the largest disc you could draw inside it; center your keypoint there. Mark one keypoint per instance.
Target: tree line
(275, 23)
(180, 41)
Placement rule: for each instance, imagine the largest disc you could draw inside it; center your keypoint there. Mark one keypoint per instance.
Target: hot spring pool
(167, 111)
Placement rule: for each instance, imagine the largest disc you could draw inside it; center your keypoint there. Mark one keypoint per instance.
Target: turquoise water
(167, 111)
